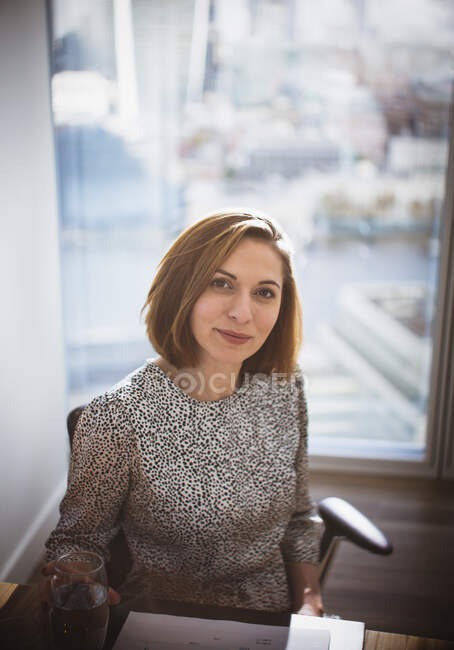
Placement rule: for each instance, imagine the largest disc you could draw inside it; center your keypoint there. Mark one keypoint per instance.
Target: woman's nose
(240, 308)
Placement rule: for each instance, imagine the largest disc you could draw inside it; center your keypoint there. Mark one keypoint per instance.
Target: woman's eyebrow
(230, 275)
(270, 282)
(226, 273)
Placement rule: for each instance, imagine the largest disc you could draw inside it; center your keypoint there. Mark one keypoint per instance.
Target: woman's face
(233, 317)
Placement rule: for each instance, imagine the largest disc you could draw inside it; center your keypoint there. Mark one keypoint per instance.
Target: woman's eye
(220, 283)
(266, 293)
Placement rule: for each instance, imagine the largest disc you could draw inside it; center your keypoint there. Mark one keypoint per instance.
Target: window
(331, 116)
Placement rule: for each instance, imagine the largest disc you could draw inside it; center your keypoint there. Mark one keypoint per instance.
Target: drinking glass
(79, 611)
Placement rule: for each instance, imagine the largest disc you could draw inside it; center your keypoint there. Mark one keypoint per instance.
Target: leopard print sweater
(212, 496)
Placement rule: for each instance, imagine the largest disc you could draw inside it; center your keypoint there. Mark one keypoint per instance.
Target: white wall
(33, 457)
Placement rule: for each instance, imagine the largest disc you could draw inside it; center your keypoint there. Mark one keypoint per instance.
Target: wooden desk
(21, 602)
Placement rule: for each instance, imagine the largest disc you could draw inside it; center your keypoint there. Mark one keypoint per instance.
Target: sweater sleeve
(98, 481)
(302, 537)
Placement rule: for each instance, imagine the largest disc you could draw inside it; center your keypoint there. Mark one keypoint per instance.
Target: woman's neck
(206, 382)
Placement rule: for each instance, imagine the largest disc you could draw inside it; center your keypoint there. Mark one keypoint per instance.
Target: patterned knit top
(212, 496)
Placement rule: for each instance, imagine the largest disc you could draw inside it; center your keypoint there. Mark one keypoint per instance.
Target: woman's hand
(312, 604)
(305, 588)
(113, 597)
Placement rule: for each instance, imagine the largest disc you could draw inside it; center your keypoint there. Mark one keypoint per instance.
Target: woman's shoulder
(285, 381)
(142, 384)
(123, 410)
(276, 388)
(102, 412)
(115, 402)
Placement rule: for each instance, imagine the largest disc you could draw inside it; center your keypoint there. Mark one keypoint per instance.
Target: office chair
(341, 521)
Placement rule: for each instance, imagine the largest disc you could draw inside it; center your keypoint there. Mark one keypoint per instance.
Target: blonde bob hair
(186, 271)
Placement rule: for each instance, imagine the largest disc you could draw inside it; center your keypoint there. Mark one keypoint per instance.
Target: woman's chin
(230, 355)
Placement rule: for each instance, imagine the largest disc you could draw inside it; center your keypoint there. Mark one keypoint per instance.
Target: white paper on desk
(345, 635)
(144, 631)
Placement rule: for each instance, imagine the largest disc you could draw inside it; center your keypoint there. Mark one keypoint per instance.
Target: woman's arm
(97, 486)
(305, 588)
(98, 481)
(300, 545)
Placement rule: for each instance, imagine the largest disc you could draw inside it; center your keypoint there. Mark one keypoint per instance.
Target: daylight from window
(331, 116)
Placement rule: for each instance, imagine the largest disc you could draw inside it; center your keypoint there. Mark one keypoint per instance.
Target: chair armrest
(344, 520)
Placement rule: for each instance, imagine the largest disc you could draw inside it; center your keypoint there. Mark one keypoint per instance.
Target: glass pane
(331, 116)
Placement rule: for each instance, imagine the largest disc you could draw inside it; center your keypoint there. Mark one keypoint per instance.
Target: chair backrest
(72, 420)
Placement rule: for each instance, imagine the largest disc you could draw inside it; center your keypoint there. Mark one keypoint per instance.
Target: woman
(201, 454)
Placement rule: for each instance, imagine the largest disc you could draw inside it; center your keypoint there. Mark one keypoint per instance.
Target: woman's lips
(233, 337)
